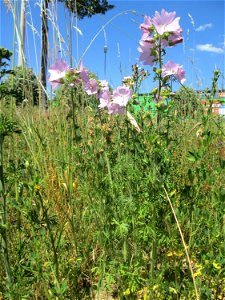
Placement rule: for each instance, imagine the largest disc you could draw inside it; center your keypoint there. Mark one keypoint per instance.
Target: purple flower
(71, 71)
(58, 72)
(175, 37)
(121, 95)
(119, 101)
(165, 22)
(170, 68)
(181, 74)
(91, 87)
(116, 109)
(145, 48)
(146, 27)
(104, 84)
(84, 73)
(104, 98)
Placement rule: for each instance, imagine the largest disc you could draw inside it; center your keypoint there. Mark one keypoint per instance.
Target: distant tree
(25, 86)
(87, 8)
(81, 8)
(5, 56)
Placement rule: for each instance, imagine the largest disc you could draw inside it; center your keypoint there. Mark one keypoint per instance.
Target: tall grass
(91, 215)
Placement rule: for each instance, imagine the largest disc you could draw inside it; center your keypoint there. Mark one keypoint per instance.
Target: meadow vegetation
(94, 207)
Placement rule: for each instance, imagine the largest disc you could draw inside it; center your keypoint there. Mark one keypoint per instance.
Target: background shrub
(187, 102)
(24, 85)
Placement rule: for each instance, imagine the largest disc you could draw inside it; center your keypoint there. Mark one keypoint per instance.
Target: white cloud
(204, 27)
(209, 48)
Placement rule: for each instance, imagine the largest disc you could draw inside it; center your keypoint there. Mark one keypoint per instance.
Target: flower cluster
(163, 30)
(115, 102)
(60, 73)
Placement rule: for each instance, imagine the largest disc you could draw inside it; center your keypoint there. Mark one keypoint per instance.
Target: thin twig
(184, 244)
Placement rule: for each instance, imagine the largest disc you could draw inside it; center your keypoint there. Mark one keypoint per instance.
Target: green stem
(54, 248)
(160, 67)
(73, 113)
(184, 244)
(3, 216)
(160, 76)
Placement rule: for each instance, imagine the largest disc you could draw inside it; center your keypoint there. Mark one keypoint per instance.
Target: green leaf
(191, 156)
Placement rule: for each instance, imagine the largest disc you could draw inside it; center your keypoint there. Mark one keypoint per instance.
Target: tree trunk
(44, 53)
(21, 53)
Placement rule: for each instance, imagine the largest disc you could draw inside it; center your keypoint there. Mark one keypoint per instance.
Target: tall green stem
(51, 235)
(3, 216)
(73, 113)
(159, 76)
(160, 67)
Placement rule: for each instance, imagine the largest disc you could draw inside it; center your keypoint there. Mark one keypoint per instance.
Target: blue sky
(203, 31)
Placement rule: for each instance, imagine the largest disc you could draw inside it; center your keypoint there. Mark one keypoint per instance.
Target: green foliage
(24, 86)
(187, 102)
(216, 76)
(90, 217)
(87, 8)
(5, 54)
(7, 127)
(80, 98)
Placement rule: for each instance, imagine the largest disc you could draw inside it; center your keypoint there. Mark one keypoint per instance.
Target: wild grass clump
(92, 215)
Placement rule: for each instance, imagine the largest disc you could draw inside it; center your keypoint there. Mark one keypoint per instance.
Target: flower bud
(158, 71)
(154, 91)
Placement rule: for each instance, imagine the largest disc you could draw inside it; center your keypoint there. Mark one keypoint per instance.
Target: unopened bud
(158, 71)
(154, 91)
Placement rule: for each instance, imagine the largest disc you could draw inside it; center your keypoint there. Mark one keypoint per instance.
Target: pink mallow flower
(145, 52)
(104, 99)
(170, 68)
(146, 27)
(91, 87)
(58, 72)
(104, 84)
(165, 22)
(121, 95)
(84, 73)
(116, 109)
(175, 37)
